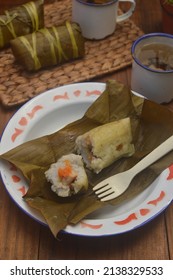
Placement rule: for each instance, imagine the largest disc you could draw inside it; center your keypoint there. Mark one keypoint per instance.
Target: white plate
(46, 114)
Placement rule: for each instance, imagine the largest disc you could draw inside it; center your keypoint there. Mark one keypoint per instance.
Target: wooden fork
(115, 185)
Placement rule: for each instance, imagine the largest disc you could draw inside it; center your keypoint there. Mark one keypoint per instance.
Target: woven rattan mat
(101, 57)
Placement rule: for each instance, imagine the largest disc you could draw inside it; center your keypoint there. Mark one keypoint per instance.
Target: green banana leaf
(21, 20)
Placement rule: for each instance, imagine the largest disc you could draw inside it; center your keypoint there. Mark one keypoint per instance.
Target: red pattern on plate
(34, 111)
(127, 220)
(144, 211)
(23, 122)
(83, 224)
(16, 134)
(93, 92)
(77, 93)
(170, 176)
(15, 178)
(61, 96)
(158, 199)
(22, 190)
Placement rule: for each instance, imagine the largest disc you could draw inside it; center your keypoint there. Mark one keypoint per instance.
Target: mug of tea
(98, 18)
(152, 67)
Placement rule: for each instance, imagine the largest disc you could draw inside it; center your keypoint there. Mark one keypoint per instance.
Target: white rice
(70, 184)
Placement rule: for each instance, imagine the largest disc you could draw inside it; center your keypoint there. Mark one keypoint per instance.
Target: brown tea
(156, 56)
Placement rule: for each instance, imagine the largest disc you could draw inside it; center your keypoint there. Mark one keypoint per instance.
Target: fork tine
(106, 193)
(100, 185)
(102, 188)
(109, 197)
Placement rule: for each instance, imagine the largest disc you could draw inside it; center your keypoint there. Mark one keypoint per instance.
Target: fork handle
(152, 157)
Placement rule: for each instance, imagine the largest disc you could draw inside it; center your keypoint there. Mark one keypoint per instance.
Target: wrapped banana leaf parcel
(151, 124)
(21, 20)
(49, 46)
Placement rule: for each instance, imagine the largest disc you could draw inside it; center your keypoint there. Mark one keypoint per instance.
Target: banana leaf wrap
(49, 46)
(151, 124)
(21, 20)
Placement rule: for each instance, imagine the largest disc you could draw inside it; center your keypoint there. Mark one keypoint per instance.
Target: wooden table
(23, 238)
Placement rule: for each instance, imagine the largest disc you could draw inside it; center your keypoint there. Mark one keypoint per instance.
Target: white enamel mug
(97, 21)
(155, 85)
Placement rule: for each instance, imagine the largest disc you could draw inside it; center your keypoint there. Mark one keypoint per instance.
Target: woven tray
(101, 57)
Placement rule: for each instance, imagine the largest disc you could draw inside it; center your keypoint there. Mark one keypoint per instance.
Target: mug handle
(126, 15)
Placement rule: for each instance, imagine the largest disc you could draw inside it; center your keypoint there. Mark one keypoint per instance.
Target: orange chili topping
(65, 171)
